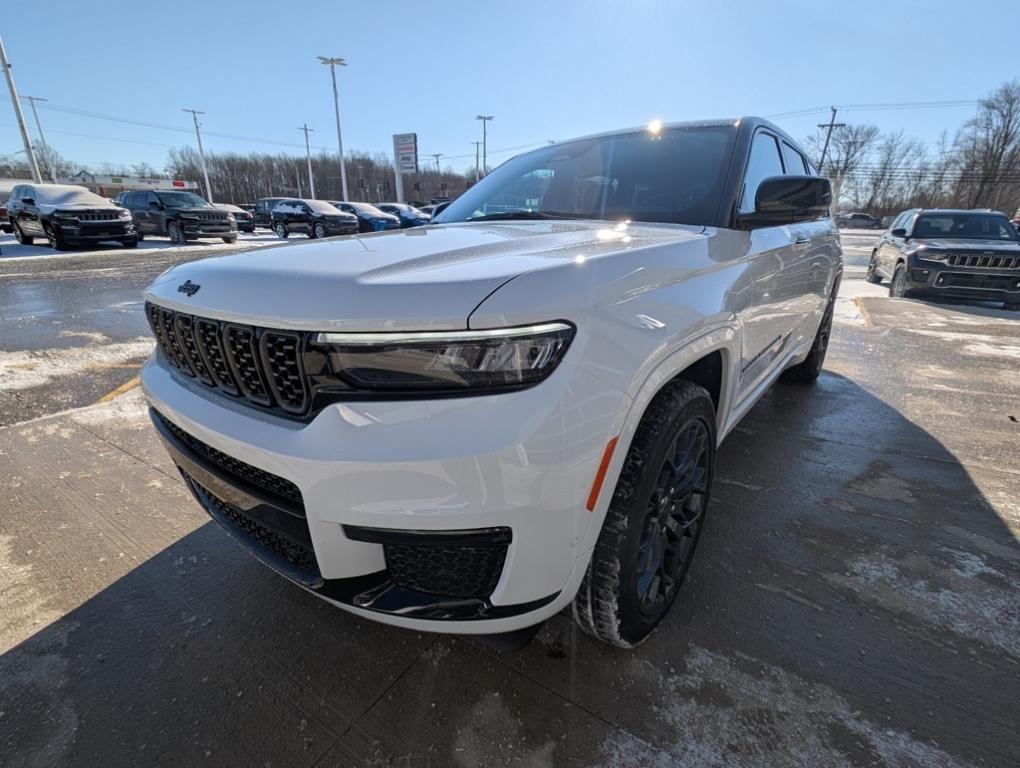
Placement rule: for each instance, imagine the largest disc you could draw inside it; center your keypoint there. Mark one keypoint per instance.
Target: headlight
(124, 213)
(190, 216)
(446, 361)
(924, 253)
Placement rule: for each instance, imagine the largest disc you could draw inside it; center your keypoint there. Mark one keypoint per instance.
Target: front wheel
(318, 231)
(898, 284)
(872, 276)
(131, 242)
(176, 233)
(56, 241)
(230, 240)
(654, 519)
(281, 230)
(21, 237)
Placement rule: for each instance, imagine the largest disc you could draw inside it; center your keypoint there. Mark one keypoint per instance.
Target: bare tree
(988, 148)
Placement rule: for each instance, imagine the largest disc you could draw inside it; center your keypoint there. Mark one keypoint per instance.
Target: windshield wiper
(526, 216)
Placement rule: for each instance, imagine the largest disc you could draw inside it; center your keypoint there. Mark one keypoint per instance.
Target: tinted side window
(763, 162)
(794, 160)
(147, 197)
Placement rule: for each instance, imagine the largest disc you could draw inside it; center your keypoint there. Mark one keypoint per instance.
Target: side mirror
(155, 205)
(788, 199)
(899, 232)
(28, 200)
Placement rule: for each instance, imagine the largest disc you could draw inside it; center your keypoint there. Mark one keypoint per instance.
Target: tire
(130, 242)
(21, 237)
(173, 229)
(872, 276)
(898, 284)
(807, 372)
(646, 543)
(318, 232)
(281, 230)
(230, 240)
(56, 241)
(139, 236)
(1013, 307)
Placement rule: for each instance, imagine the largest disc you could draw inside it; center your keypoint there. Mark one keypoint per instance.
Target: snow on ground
(11, 250)
(25, 369)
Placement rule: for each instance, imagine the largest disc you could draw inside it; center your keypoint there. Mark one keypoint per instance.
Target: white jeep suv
(469, 426)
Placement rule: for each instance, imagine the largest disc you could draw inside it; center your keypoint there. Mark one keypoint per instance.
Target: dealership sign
(405, 152)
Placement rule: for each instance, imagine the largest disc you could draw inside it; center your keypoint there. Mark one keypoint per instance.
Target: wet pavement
(854, 599)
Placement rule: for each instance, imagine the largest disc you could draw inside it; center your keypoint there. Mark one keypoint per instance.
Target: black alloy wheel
(281, 230)
(898, 284)
(872, 275)
(318, 231)
(176, 233)
(21, 237)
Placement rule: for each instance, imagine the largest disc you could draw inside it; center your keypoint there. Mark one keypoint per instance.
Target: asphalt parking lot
(854, 600)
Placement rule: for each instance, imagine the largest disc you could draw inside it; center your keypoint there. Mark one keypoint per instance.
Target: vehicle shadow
(853, 599)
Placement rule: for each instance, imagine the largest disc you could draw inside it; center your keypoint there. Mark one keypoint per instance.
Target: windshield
(68, 196)
(182, 200)
(675, 176)
(365, 209)
(964, 226)
(321, 206)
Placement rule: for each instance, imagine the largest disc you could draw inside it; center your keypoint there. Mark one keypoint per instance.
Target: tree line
(881, 173)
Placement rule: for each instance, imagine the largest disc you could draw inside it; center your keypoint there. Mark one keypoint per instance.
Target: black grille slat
(242, 355)
(241, 470)
(172, 346)
(450, 571)
(983, 262)
(210, 344)
(185, 327)
(281, 354)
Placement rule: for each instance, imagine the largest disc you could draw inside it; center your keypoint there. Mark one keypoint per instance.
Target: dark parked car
(958, 254)
(5, 223)
(370, 218)
(857, 221)
(66, 216)
(245, 220)
(179, 215)
(409, 215)
(263, 211)
(315, 218)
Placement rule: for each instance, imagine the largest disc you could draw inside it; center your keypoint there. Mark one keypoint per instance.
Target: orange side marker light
(600, 476)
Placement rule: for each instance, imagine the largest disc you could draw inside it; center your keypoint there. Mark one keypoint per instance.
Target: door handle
(802, 240)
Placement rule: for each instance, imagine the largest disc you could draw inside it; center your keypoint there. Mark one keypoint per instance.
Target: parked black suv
(315, 218)
(370, 218)
(958, 254)
(66, 216)
(263, 211)
(179, 215)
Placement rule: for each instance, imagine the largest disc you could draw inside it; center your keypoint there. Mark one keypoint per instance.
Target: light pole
(485, 121)
(42, 139)
(29, 152)
(333, 63)
(436, 157)
(308, 155)
(201, 153)
(478, 172)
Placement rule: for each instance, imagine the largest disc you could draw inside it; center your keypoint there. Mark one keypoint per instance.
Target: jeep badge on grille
(188, 287)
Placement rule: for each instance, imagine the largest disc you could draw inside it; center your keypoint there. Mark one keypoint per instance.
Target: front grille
(219, 217)
(451, 571)
(92, 215)
(983, 261)
(238, 469)
(297, 553)
(260, 365)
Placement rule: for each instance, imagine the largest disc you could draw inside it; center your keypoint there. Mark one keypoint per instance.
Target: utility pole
(333, 63)
(485, 160)
(42, 139)
(436, 157)
(308, 155)
(29, 152)
(201, 153)
(828, 134)
(478, 172)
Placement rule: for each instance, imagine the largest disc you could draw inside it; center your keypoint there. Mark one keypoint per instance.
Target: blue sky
(546, 70)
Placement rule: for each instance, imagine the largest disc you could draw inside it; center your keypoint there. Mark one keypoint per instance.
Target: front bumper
(97, 231)
(208, 229)
(521, 463)
(932, 278)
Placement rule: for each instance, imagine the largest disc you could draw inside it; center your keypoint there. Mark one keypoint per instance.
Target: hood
(408, 279)
(51, 207)
(967, 244)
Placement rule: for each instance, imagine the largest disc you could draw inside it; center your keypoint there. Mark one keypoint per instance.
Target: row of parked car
(68, 216)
